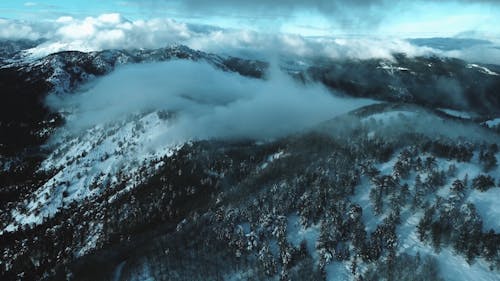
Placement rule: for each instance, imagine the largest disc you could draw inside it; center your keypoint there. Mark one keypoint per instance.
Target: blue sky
(29, 10)
(405, 18)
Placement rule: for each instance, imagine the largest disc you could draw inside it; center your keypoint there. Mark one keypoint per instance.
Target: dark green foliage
(376, 200)
(419, 192)
(487, 157)
(459, 226)
(458, 187)
(430, 163)
(483, 182)
(405, 268)
(491, 247)
(425, 224)
(403, 165)
(435, 180)
(459, 152)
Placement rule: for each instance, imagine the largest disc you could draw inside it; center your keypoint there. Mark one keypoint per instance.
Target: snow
(487, 202)
(59, 78)
(482, 69)
(452, 266)
(6, 164)
(143, 273)
(362, 198)
(88, 162)
(391, 68)
(493, 122)
(390, 116)
(91, 240)
(338, 271)
(296, 233)
(487, 205)
(271, 158)
(456, 113)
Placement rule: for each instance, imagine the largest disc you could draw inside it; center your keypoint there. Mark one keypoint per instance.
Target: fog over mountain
(206, 102)
(249, 140)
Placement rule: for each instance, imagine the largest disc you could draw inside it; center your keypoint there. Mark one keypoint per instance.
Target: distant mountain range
(449, 44)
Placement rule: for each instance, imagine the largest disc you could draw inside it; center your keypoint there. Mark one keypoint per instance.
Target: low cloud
(353, 15)
(109, 31)
(207, 103)
(113, 31)
(488, 54)
(14, 30)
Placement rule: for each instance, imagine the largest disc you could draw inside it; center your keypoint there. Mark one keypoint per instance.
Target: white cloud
(489, 54)
(110, 18)
(112, 31)
(75, 31)
(232, 106)
(106, 31)
(17, 30)
(65, 19)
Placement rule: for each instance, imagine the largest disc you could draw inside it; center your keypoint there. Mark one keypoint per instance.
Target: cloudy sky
(267, 29)
(305, 17)
(333, 28)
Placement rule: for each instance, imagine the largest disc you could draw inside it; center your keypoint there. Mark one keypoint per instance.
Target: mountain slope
(392, 190)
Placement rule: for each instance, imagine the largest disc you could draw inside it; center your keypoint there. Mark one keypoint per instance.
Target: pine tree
(267, 260)
(430, 163)
(404, 194)
(376, 200)
(436, 233)
(424, 224)
(458, 187)
(325, 239)
(452, 170)
(483, 182)
(491, 244)
(354, 266)
(487, 157)
(419, 192)
(418, 164)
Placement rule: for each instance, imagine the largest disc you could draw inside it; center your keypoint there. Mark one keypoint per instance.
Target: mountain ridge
(340, 198)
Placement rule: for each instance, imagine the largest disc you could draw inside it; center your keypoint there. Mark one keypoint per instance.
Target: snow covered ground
(102, 157)
(493, 122)
(456, 113)
(482, 69)
(390, 116)
(296, 233)
(452, 266)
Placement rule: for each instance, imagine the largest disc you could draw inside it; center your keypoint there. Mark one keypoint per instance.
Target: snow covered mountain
(405, 188)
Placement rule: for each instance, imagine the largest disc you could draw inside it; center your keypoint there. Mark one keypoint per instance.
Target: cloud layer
(206, 102)
(352, 15)
(113, 31)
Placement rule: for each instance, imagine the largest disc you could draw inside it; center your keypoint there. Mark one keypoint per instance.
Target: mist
(205, 102)
(115, 31)
(353, 16)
